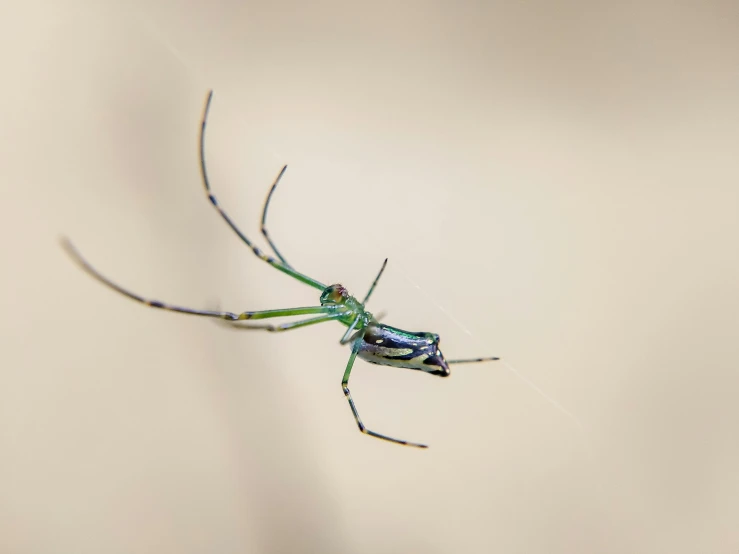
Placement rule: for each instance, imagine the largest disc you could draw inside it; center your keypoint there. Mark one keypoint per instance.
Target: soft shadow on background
(555, 183)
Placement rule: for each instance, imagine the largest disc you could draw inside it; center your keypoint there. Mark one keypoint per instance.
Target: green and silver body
(369, 339)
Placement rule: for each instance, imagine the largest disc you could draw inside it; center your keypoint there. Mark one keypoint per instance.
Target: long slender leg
(374, 283)
(362, 428)
(349, 330)
(72, 251)
(264, 217)
(257, 252)
(238, 326)
(472, 360)
(357, 335)
(348, 337)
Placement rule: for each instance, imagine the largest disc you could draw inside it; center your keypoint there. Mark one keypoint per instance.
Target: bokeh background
(556, 183)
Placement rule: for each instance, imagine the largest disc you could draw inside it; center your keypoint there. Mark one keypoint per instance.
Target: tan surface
(562, 180)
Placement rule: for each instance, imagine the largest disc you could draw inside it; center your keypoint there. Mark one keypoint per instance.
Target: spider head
(334, 294)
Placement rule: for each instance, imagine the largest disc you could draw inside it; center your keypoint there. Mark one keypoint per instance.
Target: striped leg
(264, 217)
(374, 283)
(72, 251)
(348, 394)
(346, 338)
(237, 325)
(277, 264)
(472, 360)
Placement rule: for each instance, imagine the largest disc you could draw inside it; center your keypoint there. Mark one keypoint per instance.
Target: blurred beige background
(553, 182)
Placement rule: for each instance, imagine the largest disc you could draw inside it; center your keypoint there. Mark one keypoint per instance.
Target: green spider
(371, 340)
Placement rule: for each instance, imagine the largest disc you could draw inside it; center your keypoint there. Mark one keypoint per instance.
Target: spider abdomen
(384, 345)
